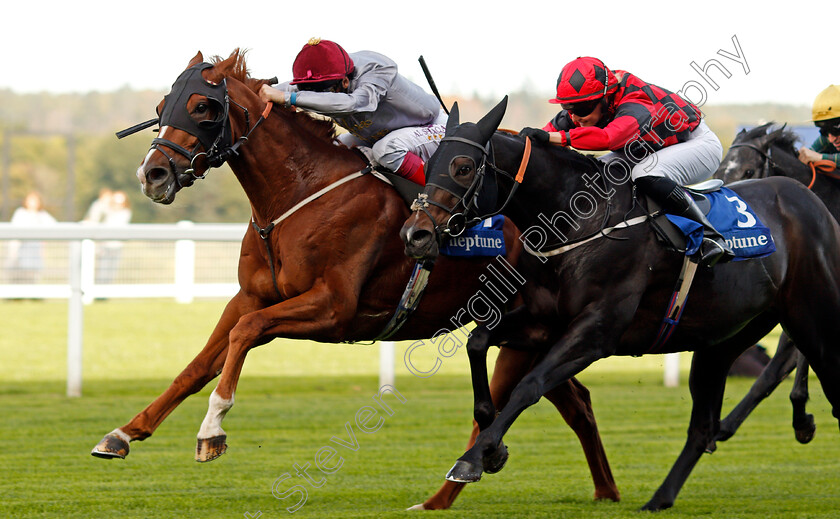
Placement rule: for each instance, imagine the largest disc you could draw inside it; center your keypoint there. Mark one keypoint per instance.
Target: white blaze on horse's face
(730, 167)
(141, 171)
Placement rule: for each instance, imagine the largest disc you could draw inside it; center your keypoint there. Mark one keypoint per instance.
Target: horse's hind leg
(203, 368)
(572, 400)
(803, 422)
(776, 370)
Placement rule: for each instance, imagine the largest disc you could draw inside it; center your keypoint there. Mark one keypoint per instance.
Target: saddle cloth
(483, 239)
(735, 220)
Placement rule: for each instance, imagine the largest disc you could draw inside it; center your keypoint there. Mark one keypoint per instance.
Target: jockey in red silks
(392, 120)
(656, 137)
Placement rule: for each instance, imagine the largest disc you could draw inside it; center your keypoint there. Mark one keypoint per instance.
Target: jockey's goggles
(581, 109)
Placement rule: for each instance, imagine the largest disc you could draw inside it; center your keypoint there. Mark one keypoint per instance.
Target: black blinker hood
(175, 112)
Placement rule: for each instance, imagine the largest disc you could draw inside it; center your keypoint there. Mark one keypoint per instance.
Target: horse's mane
(785, 139)
(236, 67)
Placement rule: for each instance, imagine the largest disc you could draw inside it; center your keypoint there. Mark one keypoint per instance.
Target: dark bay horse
(332, 271)
(598, 282)
(760, 153)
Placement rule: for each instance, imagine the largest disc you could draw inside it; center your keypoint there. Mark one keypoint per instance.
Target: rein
(823, 167)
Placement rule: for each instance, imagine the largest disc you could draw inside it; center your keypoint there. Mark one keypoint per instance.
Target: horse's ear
(198, 58)
(454, 119)
(770, 136)
(490, 122)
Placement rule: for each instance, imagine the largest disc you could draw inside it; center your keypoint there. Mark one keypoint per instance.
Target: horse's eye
(749, 173)
(201, 108)
(463, 170)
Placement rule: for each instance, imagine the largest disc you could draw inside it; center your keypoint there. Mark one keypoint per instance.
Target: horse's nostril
(156, 175)
(420, 237)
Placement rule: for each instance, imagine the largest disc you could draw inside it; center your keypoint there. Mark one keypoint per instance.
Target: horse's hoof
(607, 494)
(654, 506)
(496, 461)
(110, 447)
(464, 472)
(416, 507)
(805, 432)
(209, 449)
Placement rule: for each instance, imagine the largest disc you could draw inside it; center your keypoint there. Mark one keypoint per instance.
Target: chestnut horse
(605, 288)
(762, 153)
(332, 271)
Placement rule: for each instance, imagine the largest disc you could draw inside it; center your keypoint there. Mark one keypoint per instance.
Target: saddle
(407, 189)
(668, 233)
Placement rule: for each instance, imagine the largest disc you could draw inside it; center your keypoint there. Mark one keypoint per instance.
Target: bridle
(467, 202)
(215, 137)
(822, 167)
(768, 162)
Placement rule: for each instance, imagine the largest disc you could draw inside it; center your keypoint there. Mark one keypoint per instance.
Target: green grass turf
(284, 419)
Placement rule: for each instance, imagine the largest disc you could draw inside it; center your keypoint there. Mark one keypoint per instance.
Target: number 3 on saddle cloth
(484, 239)
(744, 233)
(733, 218)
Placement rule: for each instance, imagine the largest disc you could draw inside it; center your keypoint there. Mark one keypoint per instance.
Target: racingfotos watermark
(638, 152)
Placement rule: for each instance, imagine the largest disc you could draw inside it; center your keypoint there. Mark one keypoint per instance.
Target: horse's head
(195, 128)
(749, 155)
(460, 191)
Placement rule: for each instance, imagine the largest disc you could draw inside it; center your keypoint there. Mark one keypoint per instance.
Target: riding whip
(432, 83)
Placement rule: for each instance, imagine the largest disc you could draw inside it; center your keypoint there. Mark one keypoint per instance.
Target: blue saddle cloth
(732, 217)
(483, 239)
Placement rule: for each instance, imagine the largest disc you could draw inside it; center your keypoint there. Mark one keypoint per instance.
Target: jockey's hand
(537, 135)
(807, 155)
(269, 94)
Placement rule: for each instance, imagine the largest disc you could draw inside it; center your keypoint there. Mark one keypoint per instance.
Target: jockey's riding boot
(675, 200)
(412, 168)
(713, 249)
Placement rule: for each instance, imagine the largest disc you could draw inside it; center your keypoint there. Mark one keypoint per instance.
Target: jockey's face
(834, 139)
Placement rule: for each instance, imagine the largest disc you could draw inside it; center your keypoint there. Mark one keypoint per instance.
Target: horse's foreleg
(771, 376)
(707, 381)
(564, 359)
(511, 366)
(484, 409)
(572, 400)
(310, 314)
(803, 423)
(201, 370)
